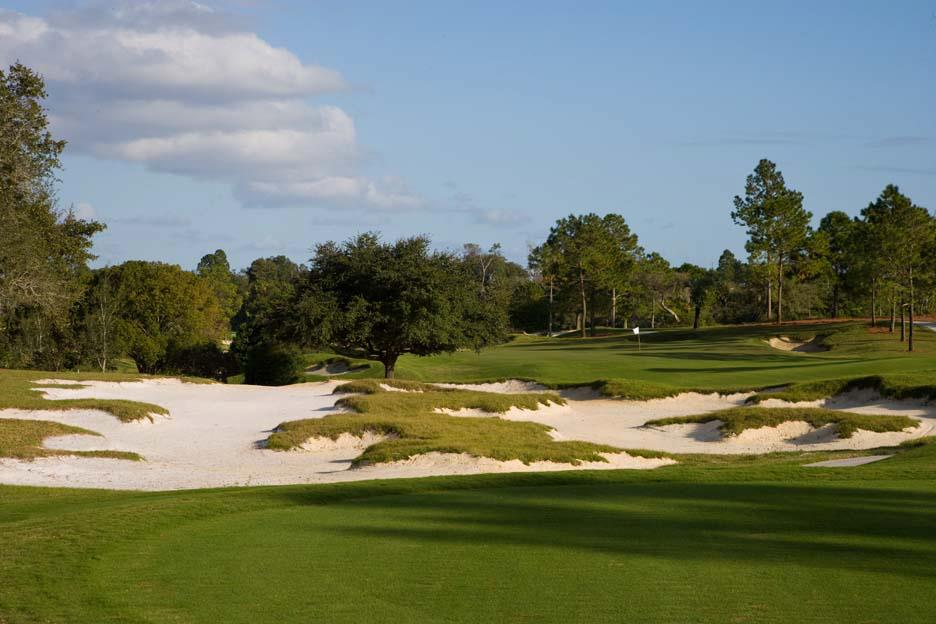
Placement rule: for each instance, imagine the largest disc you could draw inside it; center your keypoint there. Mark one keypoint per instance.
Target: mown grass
(736, 539)
(717, 359)
(411, 417)
(19, 390)
(736, 420)
(22, 439)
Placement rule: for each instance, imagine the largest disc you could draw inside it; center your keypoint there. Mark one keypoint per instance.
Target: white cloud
(84, 210)
(184, 89)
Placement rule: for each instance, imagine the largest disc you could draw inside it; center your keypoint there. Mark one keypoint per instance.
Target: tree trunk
(910, 341)
(614, 307)
(835, 300)
(780, 292)
(389, 364)
(695, 319)
(591, 318)
(584, 302)
(667, 309)
(873, 302)
(893, 319)
(550, 321)
(653, 312)
(903, 323)
(769, 301)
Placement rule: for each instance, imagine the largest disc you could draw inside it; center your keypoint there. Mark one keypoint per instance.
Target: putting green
(711, 358)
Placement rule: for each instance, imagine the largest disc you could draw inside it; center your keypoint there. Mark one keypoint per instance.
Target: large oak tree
(382, 300)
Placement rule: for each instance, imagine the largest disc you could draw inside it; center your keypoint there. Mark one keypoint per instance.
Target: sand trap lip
(346, 441)
(462, 463)
(509, 386)
(788, 344)
(333, 368)
(849, 462)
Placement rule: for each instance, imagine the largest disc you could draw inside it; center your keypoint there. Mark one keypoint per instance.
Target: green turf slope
(743, 540)
(720, 358)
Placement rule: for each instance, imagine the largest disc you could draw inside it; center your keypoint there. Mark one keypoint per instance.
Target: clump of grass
(888, 386)
(738, 419)
(373, 386)
(18, 390)
(22, 439)
(418, 429)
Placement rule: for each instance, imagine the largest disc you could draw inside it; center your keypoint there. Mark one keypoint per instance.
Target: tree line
(378, 299)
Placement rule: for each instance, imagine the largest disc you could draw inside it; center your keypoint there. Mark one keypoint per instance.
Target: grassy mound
(738, 419)
(22, 439)
(373, 386)
(18, 390)
(419, 429)
(906, 386)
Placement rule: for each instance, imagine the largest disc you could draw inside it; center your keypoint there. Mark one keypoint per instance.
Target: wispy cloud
(465, 202)
(900, 141)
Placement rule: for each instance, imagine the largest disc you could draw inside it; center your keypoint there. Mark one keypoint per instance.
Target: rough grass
(419, 429)
(907, 386)
(736, 420)
(22, 439)
(18, 390)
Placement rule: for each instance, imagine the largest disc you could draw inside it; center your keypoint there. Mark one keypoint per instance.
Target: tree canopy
(382, 300)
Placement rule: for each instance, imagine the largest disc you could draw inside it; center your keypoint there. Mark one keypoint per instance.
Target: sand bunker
(622, 423)
(346, 442)
(788, 344)
(462, 463)
(849, 462)
(214, 435)
(510, 386)
(332, 368)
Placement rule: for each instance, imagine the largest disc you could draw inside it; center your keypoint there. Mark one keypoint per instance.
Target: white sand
(511, 386)
(788, 344)
(619, 423)
(849, 462)
(214, 436)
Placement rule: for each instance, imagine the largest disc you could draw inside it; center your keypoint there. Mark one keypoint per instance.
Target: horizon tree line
(379, 300)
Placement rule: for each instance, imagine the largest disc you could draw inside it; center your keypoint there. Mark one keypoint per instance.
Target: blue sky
(475, 122)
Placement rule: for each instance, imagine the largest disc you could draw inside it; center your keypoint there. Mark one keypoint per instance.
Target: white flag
(636, 330)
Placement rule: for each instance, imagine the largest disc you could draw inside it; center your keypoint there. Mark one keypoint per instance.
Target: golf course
(467, 313)
(706, 538)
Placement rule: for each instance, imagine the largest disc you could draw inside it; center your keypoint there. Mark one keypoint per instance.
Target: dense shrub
(272, 365)
(206, 359)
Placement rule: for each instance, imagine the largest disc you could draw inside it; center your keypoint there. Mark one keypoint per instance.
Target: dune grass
(744, 540)
(417, 427)
(19, 390)
(22, 439)
(906, 386)
(738, 419)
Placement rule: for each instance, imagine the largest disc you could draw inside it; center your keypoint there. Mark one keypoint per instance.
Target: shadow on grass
(877, 530)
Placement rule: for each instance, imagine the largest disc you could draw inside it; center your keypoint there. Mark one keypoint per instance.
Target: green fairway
(724, 541)
(721, 358)
(710, 539)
